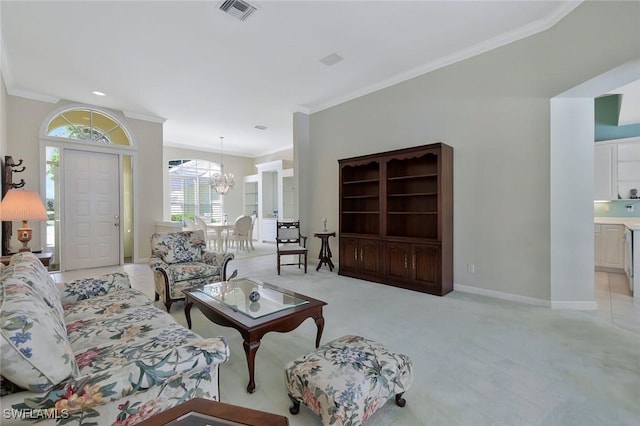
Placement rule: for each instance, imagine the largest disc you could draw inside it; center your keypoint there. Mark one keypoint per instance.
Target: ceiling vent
(237, 8)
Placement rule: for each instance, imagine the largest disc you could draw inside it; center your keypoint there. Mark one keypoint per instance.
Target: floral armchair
(180, 262)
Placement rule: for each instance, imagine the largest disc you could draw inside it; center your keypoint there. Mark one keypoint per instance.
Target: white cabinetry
(276, 197)
(288, 195)
(616, 170)
(251, 202)
(628, 169)
(605, 174)
(609, 246)
(251, 195)
(269, 230)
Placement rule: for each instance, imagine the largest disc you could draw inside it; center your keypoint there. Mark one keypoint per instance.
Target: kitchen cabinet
(396, 218)
(605, 172)
(609, 246)
(616, 170)
(628, 173)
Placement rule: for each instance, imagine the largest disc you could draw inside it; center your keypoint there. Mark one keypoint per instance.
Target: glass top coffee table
(254, 308)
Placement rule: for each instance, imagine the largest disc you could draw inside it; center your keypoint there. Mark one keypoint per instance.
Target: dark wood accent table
(325, 250)
(252, 329)
(45, 258)
(201, 412)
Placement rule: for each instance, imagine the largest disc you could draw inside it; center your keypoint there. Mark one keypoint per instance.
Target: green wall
(607, 111)
(616, 209)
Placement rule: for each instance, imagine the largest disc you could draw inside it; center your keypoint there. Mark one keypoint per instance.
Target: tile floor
(616, 305)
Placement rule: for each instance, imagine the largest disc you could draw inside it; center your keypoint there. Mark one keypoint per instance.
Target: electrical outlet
(471, 268)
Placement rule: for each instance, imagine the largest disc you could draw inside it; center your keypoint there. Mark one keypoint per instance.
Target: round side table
(325, 250)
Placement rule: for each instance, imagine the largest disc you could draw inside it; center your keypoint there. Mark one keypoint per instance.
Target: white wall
(286, 155)
(572, 249)
(494, 109)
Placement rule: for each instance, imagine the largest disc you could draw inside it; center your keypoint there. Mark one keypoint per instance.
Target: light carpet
(477, 360)
(260, 249)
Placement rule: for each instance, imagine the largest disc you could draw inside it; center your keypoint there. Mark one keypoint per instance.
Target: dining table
(219, 228)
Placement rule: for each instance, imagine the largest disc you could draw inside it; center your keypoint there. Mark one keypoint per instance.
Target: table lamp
(24, 206)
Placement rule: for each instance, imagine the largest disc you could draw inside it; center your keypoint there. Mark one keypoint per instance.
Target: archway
(94, 133)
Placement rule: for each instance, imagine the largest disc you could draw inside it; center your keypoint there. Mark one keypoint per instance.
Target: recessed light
(98, 93)
(332, 59)
(260, 127)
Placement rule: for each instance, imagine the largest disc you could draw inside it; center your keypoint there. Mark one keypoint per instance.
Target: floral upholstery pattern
(82, 289)
(178, 247)
(188, 267)
(23, 268)
(346, 380)
(34, 349)
(130, 359)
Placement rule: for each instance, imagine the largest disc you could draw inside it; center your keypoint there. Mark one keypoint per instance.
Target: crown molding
(13, 91)
(483, 47)
(144, 117)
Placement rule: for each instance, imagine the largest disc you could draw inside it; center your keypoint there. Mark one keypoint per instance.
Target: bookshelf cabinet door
(426, 262)
(397, 258)
(348, 255)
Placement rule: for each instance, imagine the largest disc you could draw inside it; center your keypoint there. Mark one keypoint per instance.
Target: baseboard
(575, 305)
(501, 295)
(567, 305)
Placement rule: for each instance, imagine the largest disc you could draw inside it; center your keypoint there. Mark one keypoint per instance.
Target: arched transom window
(88, 125)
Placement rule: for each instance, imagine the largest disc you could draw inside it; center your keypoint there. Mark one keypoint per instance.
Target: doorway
(89, 161)
(92, 210)
(571, 208)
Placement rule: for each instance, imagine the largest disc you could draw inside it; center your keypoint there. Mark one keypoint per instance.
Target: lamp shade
(22, 205)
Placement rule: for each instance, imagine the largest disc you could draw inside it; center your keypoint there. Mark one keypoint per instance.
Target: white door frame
(80, 145)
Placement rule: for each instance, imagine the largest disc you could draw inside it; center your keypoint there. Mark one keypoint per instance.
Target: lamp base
(24, 236)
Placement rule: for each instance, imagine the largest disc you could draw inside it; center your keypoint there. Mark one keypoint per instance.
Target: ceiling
(210, 74)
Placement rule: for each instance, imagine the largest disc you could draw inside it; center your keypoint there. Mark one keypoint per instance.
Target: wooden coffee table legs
(251, 347)
(320, 325)
(253, 329)
(187, 313)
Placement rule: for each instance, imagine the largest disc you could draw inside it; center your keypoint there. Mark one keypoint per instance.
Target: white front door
(91, 210)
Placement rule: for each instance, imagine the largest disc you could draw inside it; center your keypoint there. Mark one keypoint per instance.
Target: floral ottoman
(347, 380)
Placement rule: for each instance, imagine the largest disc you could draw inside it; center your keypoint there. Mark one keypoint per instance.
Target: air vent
(238, 9)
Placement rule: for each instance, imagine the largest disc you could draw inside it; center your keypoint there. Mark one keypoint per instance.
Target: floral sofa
(180, 262)
(94, 351)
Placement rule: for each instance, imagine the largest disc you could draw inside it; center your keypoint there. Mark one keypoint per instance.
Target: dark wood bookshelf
(396, 218)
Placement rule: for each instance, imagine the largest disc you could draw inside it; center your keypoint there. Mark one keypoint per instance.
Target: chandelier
(222, 182)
